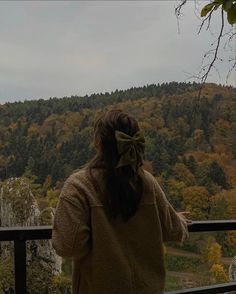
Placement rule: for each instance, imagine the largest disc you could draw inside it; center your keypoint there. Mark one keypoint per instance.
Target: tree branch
(205, 69)
(179, 7)
(204, 77)
(230, 71)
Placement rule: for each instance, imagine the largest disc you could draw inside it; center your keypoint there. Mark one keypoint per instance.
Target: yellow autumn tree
(213, 254)
(34, 129)
(230, 196)
(196, 200)
(182, 173)
(218, 273)
(52, 197)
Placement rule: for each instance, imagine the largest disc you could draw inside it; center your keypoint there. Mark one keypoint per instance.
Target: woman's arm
(71, 230)
(174, 225)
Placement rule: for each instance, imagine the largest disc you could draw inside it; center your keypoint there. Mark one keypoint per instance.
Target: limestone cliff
(18, 207)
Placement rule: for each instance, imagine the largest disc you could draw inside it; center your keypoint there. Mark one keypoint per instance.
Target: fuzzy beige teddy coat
(111, 256)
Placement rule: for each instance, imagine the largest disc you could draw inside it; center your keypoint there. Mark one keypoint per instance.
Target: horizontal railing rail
(212, 226)
(25, 233)
(212, 289)
(19, 235)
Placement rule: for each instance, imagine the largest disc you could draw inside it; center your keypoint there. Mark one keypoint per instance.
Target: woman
(112, 217)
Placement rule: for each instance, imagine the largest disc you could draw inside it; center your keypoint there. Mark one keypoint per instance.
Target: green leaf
(231, 14)
(227, 5)
(207, 8)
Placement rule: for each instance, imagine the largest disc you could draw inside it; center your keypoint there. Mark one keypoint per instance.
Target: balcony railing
(21, 234)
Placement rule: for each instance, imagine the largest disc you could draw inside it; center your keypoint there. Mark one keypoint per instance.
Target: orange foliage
(196, 200)
(34, 129)
(219, 274)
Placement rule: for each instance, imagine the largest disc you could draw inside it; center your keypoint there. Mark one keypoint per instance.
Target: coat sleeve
(174, 226)
(71, 229)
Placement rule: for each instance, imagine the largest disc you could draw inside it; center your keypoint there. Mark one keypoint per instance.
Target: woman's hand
(185, 215)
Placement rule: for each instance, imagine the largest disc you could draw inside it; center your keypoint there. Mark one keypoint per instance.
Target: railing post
(20, 266)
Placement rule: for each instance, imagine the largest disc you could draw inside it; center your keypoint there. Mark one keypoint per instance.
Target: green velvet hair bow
(130, 149)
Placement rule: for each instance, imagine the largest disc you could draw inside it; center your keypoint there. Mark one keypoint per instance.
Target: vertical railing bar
(20, 266)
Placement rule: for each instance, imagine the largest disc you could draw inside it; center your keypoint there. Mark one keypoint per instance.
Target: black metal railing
(21, 234)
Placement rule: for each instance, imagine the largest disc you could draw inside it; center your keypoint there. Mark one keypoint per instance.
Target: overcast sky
(56, 49)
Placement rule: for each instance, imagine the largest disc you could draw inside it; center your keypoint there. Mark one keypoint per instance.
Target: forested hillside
(190, 144)
(190, 148)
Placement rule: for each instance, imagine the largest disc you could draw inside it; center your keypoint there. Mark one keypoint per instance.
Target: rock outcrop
(19, 208)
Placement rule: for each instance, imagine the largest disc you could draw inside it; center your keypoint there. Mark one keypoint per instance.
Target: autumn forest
(190, 148)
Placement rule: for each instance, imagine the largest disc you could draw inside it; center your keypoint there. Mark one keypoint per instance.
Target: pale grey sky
(63, 48)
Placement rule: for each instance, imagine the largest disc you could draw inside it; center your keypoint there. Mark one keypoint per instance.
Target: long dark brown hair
(124, 188)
